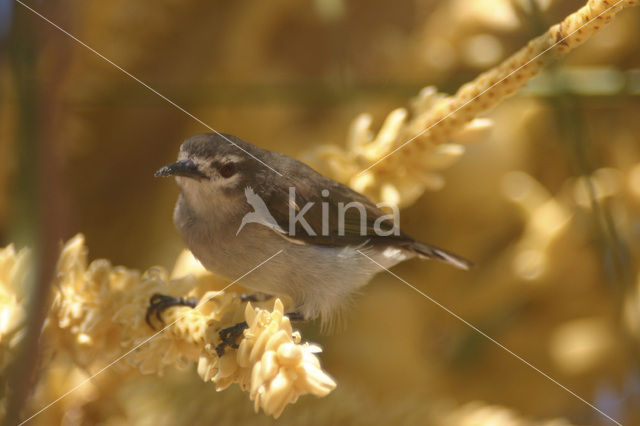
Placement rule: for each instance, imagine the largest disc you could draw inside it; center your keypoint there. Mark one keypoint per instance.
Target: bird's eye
(227, 170)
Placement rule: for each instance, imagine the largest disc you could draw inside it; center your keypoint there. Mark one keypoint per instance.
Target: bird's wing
(322, 213)
(340, 218)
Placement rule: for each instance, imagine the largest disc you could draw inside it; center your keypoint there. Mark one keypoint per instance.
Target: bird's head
(214, 169)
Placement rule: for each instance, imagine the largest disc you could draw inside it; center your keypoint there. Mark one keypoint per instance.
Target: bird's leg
(158, 303)
(229, 335)
(254, 297)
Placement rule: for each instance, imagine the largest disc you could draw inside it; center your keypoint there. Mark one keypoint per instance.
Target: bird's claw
(228, 337)
(158, 303)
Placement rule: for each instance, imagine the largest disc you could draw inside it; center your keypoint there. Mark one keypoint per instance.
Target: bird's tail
(426, 250)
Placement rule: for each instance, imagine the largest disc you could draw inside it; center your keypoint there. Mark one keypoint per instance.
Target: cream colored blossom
(402, 160)
(99, 312)
(417, 173)
(13, 278)
(270, 362)
(546, 218)
(478, 413)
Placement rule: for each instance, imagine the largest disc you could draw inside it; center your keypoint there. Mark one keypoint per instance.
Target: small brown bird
(240, 204)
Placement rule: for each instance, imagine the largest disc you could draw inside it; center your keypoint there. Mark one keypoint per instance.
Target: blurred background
(548, 207)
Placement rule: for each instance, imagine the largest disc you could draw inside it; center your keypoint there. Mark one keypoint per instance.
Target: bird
(240, 204)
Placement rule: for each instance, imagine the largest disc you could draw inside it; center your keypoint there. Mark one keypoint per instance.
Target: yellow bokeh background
(548, 206)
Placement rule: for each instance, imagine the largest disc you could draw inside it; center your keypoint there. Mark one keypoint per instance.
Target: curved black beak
(184, 168)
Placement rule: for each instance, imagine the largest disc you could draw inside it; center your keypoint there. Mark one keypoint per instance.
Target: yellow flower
(270, 362)
(547, 217)
(403, 159)
(13, 276)
(419, 171)
(99, 312)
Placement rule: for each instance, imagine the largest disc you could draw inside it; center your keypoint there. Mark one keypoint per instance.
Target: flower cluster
(418, 172)
(99, 314)
(403, 159)
(270, 362)
(13, 270)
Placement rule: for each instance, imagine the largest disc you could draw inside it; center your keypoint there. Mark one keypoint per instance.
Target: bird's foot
(229, 335)
(158, 303)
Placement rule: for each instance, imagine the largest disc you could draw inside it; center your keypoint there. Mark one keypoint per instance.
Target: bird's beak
(184, 168)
